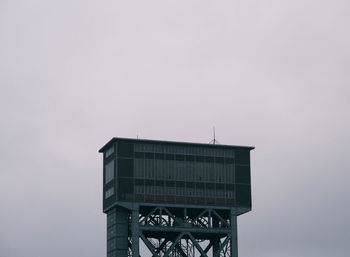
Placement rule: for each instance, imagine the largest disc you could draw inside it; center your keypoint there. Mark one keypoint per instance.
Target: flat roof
(149, 141)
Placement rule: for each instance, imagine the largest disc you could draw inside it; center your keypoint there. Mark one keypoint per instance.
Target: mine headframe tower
(180, 199)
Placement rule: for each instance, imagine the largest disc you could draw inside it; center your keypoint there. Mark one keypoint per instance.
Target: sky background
(273, 74)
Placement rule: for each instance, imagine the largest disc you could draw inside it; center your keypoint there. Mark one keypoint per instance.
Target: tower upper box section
(165, 172)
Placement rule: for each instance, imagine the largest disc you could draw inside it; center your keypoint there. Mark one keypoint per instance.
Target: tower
(180, 199)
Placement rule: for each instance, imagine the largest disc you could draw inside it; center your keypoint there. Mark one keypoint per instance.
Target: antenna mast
(214, 141)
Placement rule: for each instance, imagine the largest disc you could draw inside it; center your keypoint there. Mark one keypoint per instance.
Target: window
(180, 157)
(109, 151)
(149, 156)
(125, 150)
(125, 188)
(139, 189)
(159, 156)
(180, 191)
(169, 156)
(109, 192)
(219, 160)
(138, 169)
(139, 155)
(109, 172)
(125, 168)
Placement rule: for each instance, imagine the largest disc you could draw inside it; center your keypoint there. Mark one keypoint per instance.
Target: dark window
(230, 187)
(149, 155)
(209, 159)
(159, 183)
(125, 150)
(190, 184)
(170, 183)
(200, 158)
(190, 158)
(125, 167)
(159, 156)
(229, 160)
(149, 182)
(180, 184)
(242, 157)
(210, 185)
(139, 182)
(220, 186)
(219, 159)
(139, 155)
(125, 188)
(180, 157)
(242, 174)
(169, 156)
(200, 185)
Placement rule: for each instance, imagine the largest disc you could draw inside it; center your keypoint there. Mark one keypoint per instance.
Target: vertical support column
(111, 233)
(135, 232)
(117, 233)
(216, 246)
(234, 243)
(215, 241)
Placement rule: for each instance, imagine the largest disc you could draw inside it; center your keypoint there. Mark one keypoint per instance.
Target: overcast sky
(273, 74)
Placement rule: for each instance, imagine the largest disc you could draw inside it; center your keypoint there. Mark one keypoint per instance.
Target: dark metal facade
(181, 199)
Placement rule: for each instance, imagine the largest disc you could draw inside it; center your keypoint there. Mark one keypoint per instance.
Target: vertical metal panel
(117, 233)
(135, 232)
(234, 243)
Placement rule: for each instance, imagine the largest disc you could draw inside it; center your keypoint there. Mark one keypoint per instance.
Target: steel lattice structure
(174, 231)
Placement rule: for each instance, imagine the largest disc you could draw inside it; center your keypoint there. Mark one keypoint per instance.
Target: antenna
(214, 141)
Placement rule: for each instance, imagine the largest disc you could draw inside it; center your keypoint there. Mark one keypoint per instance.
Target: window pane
(125, 150)
(109, 192)
(109, 169)
(125, 168)
(109, 151)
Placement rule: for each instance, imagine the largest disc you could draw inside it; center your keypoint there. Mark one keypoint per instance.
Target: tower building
(180, 199)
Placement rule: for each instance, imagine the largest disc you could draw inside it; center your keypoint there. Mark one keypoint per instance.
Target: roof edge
(114, 139)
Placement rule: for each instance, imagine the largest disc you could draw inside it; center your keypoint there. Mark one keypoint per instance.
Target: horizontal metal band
(186, 229)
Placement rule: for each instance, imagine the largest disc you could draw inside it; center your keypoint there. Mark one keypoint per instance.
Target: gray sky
(274, 74)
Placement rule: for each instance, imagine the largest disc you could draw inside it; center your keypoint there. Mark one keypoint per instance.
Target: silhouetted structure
(181, 199)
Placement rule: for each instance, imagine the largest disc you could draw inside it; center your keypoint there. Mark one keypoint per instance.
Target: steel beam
(234, 243)
(185, 229)
(135, 233)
